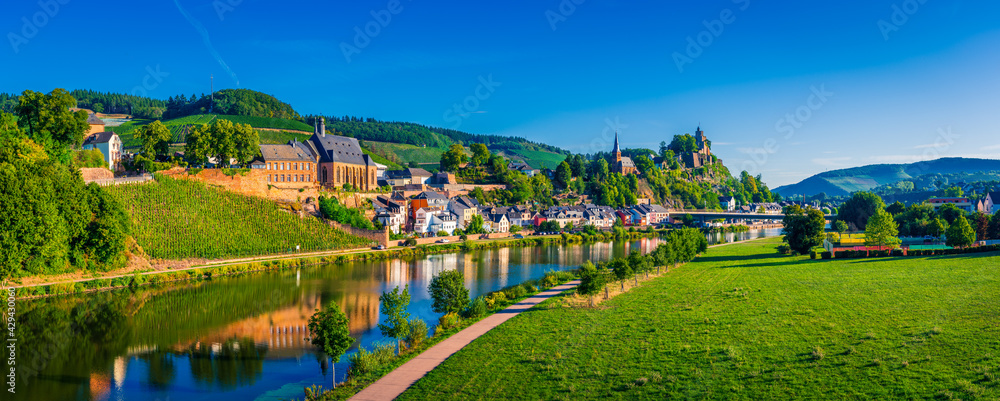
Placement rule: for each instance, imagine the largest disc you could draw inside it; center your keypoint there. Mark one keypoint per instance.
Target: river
(243, 337)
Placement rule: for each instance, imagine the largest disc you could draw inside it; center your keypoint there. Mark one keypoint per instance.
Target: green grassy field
(742, 322)
(411, 153)
(177, 219)
(536, 158)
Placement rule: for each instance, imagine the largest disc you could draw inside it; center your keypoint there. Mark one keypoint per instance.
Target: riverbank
(226, 267)
(744, 321)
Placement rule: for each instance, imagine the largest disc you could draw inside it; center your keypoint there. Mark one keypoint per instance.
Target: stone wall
(453, 238)
(381, 237)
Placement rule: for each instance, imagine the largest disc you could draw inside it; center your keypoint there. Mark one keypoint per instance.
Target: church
(622, 164)
(327, 160)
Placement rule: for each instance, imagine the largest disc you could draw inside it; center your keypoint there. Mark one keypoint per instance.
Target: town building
(991, 204)
(110, 146)
(399, 178)
(291, 165)
(961, 203)
(390, 213)
(465, 208)
(522, 167)
(96, 125)
(728, 203)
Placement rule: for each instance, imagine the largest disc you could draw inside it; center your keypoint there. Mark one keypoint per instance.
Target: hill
(177, 219)
(846, 181)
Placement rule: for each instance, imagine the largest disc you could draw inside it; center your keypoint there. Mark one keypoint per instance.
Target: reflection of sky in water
(244, 337)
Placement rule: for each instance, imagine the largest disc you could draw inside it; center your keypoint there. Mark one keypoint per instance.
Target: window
(296, 166)
(268, 178)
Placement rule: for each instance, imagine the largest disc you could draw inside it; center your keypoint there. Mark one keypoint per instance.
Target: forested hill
(846, 181)
(370, 129)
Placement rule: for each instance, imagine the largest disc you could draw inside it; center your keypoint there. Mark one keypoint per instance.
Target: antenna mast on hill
(212, 102)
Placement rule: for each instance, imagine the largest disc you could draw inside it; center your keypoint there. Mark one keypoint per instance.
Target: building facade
(292, 165)
(110, 146)
(622, 164)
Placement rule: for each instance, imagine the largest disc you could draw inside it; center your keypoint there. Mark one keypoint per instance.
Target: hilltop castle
(703, 156)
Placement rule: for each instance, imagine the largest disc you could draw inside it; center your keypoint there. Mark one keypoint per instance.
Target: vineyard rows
(178, 219)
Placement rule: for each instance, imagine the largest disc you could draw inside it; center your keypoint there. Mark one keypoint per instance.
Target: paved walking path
(396, 382)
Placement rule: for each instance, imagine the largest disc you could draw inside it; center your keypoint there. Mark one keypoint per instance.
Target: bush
(477, 308)
(529, 288)
(812, 254)
(448, 321)
(784, 250)
(418, 332)
(827, 255)
(363, 361)
(496, 300)
(448, 292)
(515, 292)
(411, 242)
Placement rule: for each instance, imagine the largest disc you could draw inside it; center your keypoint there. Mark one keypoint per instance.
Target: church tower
(617, 151)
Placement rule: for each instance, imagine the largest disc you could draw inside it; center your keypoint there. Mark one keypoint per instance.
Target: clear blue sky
(891, 90)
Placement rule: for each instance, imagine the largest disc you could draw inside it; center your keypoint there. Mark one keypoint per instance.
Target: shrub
(477, 308)
(812, 254)
(496, 300)
(411, 242)
(529, 288)
(418, 332)
(448, 321)
(448, 292)
(827, 255)
(515, 292)
(784, 249)
(550, 280)
(363, 361)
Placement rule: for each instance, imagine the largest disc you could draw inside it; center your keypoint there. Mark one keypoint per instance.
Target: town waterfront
(244, 337)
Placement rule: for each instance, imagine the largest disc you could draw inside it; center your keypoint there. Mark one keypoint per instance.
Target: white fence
(122, 180)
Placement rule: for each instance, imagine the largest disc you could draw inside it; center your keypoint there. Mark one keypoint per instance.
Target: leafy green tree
(579, 166)
(937, 227)
(949, 212)
(599, 170)
(881, 230)
(857, 210)
(454, 158)
(895, 208)
(592, 279)
(803, 229)
(514, 229)
(684, 144)
(839, 226)
(960, 233)
(47, 120)
(97, 107)
(645, 165)
(331, 332)
(155, 138)
(475, 225)
(397, 321)
(564, 173)
(246, 143)
(953, 192)
(480, 154)
(448, 291)
(994, 229)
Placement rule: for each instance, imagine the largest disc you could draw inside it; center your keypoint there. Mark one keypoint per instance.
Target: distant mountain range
(849, 180)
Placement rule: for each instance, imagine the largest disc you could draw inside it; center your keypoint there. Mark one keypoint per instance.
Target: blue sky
(785, 89)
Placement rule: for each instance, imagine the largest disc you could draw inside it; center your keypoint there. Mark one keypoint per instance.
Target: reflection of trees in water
(63, 341)
(228, 365)
(160, 372)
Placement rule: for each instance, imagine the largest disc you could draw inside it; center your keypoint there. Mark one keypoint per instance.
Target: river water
(243, 337)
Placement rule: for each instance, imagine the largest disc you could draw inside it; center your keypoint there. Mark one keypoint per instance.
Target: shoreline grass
(744, 322)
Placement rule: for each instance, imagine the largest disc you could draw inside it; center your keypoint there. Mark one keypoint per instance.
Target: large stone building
(328, 160)
(622, 164)
(704, 154)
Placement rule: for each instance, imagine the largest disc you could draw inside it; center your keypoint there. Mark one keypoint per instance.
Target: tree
(981, 224)
(684, 144)
(475, 225)
(155, 138)
(514, 229)
(579, 166)
(857, 210)
(331, 332)
(454, 158)
(246, 143)
(881, 230)
(645, 165)
(949, 212)
(397, 321)
(48, 121)
(592, 279)
(960, 233)
(936, 227)
(994, 230)
(599, 170)
(564, 173)
(839, 226)
(895, 208)
(953, 192)
(448, 292)
(803, 229)
(480, 154)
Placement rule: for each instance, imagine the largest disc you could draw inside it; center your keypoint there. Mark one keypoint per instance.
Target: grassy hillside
(536, 158)
(845, 181)
(744, 323)
(179, 126)
(176, 219)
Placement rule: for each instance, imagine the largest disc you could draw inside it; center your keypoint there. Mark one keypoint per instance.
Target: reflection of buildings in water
(397, 273)
(502, 265)
(118, 372)
(100, 386)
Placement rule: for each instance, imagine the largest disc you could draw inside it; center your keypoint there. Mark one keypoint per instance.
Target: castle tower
(617, 151)
(699, 135)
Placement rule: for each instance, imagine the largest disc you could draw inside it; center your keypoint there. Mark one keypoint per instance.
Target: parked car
(518, 236)
(443, 241)
(380, 247)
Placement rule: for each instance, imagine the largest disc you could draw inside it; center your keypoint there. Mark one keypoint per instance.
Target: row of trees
(221, 140)
(681, 246)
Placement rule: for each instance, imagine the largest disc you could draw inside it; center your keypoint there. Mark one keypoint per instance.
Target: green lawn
(536, 158)
(742, 322)
(411, 153)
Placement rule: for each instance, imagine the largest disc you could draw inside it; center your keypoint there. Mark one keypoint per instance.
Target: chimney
(322, 127)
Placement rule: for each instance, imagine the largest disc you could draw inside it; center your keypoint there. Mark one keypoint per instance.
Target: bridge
(707, 215)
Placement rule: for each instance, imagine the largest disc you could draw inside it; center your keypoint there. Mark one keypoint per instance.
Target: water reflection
(245, 337)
